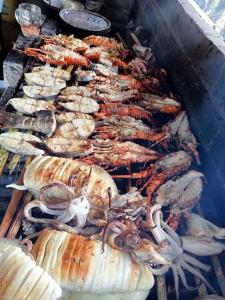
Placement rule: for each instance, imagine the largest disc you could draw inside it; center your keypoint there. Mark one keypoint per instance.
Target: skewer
(13, 204)
(216, 264)
(135, 38)
(16, 224)
(161, 287)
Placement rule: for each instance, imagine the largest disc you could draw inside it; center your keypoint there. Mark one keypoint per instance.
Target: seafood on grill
(69, 42)
(21, 277)
(91, 277)
(67, 207)
(74, 173)
(52, 72)
(30, 106)
(122, 96)
(115, 153)
(20, 143)
(44, 123)
(40, 92)
(180, 194)
(166, 167)
(111, 109)
(77, 90)
(104, 71)
(158, 104)
(202, 245)
(127, 128)
(44, 80)
(77, 103)
(101, 41)
(180, 130)
(58, 55)
(175, 251)
(77, 128)
(72, 147)
(86, 76)
(65, 117)
(198, 226)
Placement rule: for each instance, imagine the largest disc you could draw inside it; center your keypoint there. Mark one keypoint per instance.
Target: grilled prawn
(104, 42)
(58, 55)
(69, 42)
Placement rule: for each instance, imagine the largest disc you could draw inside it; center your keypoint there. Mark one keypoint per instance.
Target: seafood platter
(107, 202)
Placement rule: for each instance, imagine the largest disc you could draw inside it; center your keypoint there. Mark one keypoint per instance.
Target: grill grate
(11, 224)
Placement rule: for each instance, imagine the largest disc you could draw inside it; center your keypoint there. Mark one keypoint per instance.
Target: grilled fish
(20, 143)
(45, 123)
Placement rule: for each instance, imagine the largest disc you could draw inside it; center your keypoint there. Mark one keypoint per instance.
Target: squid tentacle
(184, 280)
(176, 280)
(198, 274)
(195, 262)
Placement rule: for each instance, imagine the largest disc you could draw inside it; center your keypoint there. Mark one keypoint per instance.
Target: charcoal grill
(206, 121)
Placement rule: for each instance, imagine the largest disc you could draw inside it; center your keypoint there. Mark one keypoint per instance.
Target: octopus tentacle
(193, 261)
(171, 232)
(176, 280)
(184, 280)
(198, 274)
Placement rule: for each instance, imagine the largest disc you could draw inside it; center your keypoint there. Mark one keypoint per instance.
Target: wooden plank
(161, 287)
(16, 224)
(13, 204)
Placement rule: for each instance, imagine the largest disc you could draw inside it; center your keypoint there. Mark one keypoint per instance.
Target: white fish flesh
(44, 80)
(29, 106)
(40, 92)
(53, 72)
(20, 143)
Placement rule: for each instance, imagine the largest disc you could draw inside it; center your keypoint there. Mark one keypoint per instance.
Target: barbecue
(105, 173)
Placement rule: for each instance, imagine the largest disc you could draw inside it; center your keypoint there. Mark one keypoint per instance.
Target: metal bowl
(84, 22)
(53, 7)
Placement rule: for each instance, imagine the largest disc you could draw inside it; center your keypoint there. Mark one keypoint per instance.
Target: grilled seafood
(30, 106)
(86, 280)
(89, 75)
(21, 277)
(77, 90)
(53, 72)
(44, 80)
(202, 245)
(79, 104)
(75, 173)
(126, 128)
(58, 55)
(111, 109)
(198, 226)
(114, 153)
(100, 41)
(40, 92)
(65, 117)
(69, 42)
(77, 128)
(166, 167)
(159, 104)
(180, 130)
(69, 146)
(105, 71)
(181, 194)
(45, 122)
(121, 96)
(67, 207)
(175, 251)
(20, 143)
